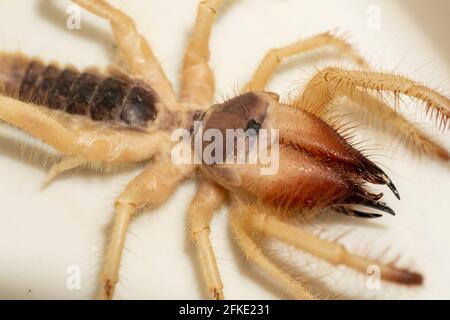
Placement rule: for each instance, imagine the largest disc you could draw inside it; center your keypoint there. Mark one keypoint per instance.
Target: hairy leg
(197, 77)
(208, 198)
(274, 57)
(413, 136)
(253, 252)
(332, 83)
(326, 250)
(139, 56)
(89, 143)
(149, 189)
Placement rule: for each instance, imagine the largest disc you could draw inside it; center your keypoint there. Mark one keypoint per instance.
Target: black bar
(181, 309)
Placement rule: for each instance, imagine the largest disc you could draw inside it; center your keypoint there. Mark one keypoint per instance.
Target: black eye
(253, 124)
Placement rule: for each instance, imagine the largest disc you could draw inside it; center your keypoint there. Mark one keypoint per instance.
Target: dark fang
(361, 199)
(366, 215)
(391, 186)
(358, 214)
(378, 176)
(377, 205)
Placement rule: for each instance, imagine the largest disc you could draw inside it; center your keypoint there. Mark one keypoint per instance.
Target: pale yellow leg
(417, 139)
(197, 78)
(332, 83)
(208, 198)
(141, 61)
(64, 165)
(151, 188)
(253, 252)
(274, 57)
(326, 250)
(111, 146)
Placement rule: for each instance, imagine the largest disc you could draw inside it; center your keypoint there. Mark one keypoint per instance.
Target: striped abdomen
(113, 98)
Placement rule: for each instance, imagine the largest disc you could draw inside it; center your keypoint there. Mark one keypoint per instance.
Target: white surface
(45, 232)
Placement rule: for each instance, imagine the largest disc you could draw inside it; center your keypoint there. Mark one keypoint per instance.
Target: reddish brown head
(317, 167)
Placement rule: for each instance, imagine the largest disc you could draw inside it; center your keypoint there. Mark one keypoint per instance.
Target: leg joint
(205, 3)
(259, 222)
(196, 231)
(123, 203)
(328, 74)
(274, 54)
(340, 255)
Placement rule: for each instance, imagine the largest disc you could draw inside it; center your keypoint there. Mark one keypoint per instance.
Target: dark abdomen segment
(117, 99)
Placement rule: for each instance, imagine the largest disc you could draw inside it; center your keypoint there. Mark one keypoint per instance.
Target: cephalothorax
(128, 117)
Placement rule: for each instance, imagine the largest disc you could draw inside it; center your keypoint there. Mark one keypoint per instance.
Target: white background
(43, 232)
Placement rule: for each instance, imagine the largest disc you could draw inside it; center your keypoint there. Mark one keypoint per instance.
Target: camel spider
(128, 118)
